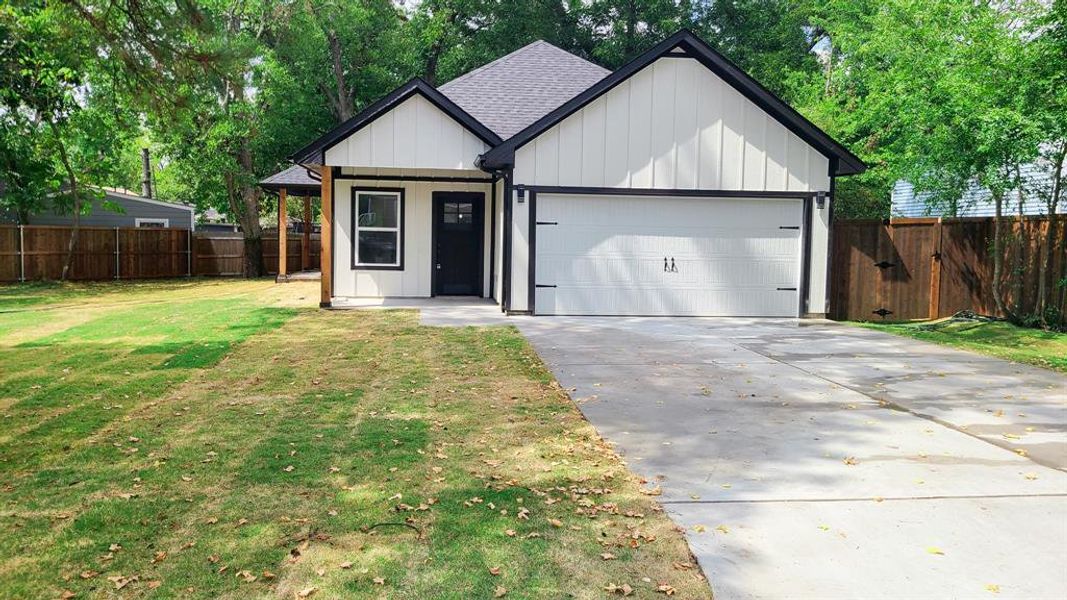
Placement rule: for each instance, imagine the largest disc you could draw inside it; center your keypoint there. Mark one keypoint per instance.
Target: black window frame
(401, 216)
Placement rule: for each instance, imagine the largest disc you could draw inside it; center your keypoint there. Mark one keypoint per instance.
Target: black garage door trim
(805, 234)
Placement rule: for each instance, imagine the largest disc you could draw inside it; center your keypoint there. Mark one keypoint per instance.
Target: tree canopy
(943, 93)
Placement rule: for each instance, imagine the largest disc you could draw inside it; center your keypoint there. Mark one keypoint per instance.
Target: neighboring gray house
(976, 202)
(137, 212)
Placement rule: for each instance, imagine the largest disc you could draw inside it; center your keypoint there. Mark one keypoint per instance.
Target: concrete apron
(817, 460)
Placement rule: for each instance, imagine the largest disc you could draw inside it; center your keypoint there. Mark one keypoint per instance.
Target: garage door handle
(666, 269)
(674, 269)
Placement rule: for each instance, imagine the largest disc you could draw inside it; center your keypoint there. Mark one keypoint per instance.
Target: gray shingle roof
(295, 177)
(512, 92)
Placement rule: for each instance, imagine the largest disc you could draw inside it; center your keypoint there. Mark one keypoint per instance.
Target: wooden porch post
(305, 245)
(326, 237)
(282, 235)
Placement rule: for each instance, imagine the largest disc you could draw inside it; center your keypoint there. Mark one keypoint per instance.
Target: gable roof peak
(843, 161)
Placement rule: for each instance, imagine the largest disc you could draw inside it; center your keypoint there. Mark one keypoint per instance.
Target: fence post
(22, 254)
(189, 253)
(935, 273)
(118, 268)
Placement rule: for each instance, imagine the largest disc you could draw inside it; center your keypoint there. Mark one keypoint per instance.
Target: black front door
(457, 253)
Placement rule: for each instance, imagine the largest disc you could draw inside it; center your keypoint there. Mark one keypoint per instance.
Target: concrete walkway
(815, 460)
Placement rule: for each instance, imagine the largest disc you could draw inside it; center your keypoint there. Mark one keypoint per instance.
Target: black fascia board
(315, 152)
(503, 155)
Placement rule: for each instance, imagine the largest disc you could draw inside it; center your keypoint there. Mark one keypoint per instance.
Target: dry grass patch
(266, 452)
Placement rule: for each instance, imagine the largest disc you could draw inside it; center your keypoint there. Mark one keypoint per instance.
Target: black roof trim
(315, 152)
(695, 48)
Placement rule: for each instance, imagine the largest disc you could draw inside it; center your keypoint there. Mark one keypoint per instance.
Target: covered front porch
(296, 257)
(413, 233)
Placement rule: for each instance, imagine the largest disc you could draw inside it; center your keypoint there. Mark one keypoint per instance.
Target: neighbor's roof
(513, 91)
(295, 178)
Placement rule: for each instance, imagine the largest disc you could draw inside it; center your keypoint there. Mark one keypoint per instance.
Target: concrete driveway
(816, 460)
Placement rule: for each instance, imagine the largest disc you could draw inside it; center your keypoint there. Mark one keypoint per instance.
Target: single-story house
(119, 208)
(675, 185)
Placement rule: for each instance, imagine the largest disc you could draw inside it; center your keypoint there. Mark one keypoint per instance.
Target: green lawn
(997, 338)
(225, 439)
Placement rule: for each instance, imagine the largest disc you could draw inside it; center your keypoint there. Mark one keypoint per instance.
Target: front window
(378, 221)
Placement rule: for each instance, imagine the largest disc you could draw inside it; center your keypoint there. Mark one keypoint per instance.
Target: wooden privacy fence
(931, 268)
(35, 252)
(218, 254)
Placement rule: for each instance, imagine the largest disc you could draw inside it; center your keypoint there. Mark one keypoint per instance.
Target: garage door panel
(605, 255)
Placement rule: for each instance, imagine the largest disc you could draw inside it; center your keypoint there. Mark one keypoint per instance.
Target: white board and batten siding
(675, 125)
(415, 278)
(414, 134)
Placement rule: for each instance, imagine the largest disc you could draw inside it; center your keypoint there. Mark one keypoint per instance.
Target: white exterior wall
(414, 134)
(498, 251)
(820, 250)
(414, 280)
(520, 253)
(673, 125)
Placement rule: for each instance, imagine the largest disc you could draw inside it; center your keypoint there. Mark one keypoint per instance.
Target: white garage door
(643, 255)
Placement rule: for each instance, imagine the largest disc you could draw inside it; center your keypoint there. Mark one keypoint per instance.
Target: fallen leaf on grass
(663, 588)
(621, 590)
(67, 595)
(88, 574)
(555, 522)
(268, 575)
(494, 570)
(656, 491)
(289, 469)
(379, 581)
(510, 532)
(154, 584)
(682, 566)
(346, 565)
(500, 591)
(121, 582)
(304, 593)
(607, 556)
(159, 557)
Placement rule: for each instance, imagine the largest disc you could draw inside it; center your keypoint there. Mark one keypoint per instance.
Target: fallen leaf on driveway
(935, 550)
(1031, 476)
(699, 528)
(851, 461)
(993, 588)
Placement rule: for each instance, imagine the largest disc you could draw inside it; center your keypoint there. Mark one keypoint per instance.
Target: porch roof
(295, 179)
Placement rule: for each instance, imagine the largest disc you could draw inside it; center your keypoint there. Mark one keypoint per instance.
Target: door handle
(438, 266)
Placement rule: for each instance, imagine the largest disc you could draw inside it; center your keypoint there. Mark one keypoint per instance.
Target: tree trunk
(998, 251)
(345, 105)
(73, 241)
(1018, 260)
(1045, 288)
(248, 196)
